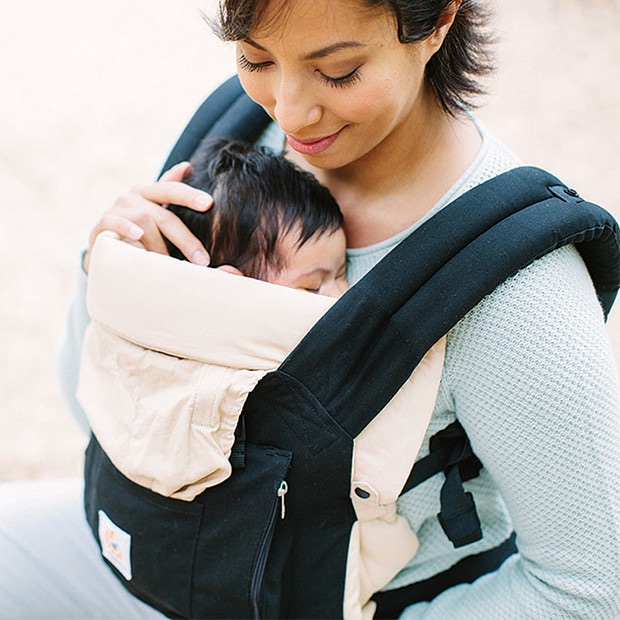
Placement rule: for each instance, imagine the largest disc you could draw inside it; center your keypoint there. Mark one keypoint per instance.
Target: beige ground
(93, 95)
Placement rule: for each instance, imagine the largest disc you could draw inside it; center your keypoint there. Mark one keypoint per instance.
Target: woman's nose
(295, 107)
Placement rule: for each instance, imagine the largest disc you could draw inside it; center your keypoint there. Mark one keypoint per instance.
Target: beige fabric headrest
(199, 313)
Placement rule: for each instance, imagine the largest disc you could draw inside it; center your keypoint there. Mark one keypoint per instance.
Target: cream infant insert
(170, 355)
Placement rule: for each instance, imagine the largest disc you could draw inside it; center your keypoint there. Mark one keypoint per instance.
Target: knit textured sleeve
(69, 348)
(533, 381)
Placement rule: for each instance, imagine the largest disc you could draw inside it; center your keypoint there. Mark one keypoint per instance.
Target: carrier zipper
(282, 491)
(265, 544)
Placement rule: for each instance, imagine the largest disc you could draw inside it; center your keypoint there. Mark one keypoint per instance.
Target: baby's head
(270, 220)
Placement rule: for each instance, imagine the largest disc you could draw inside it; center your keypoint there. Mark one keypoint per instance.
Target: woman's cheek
(258, 89)
(363, 105)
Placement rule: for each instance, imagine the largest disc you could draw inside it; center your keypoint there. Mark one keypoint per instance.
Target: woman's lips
(312, 147)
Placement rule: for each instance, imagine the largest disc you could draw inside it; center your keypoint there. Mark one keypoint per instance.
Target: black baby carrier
(271, 541)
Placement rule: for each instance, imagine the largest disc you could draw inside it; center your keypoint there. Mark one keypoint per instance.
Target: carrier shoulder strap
(375, 335)
(372, 339)
(226, 113)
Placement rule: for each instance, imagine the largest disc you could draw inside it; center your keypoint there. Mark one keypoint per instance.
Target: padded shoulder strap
(373, 338)
(227, 113)
(370, 341)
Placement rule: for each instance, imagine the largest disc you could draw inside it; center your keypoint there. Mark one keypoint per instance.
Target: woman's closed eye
(337, 81)
(248, 65)
(342, 80)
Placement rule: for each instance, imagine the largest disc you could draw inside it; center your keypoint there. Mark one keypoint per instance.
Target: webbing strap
(458, 517)
(390, 603)
(452, 454)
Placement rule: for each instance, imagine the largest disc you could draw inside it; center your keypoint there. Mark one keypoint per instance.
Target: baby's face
(318, 266)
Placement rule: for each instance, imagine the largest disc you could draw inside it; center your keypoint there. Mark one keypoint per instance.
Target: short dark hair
(453, 73)
(258, 197)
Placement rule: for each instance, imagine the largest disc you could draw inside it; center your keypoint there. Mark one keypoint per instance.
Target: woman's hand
(141, 215)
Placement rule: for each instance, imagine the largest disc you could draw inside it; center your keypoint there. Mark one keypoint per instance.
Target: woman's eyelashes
(337, 81)
(248, 65)
(343, 80)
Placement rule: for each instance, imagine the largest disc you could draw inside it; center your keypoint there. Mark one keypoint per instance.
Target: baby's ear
(230, 269)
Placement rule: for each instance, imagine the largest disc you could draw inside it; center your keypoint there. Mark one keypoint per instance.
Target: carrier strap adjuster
(452, 454)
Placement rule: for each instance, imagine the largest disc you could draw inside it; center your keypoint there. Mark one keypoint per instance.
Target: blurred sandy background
(93, 96)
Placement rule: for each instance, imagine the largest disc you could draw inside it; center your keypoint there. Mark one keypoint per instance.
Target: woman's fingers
(171, 190)
(179, 235)
(149, 229)
(179, 172)
(123, 227)
(131, 225)
(140, 215)
(175, 192)
(149, 223)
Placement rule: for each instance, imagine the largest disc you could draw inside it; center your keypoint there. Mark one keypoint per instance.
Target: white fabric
(50, 566)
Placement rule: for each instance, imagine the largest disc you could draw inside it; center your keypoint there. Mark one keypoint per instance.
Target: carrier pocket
(157, 535)
(239, 571)
(209, 558)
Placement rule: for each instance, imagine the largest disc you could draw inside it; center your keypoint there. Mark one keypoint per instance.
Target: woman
(370, 96)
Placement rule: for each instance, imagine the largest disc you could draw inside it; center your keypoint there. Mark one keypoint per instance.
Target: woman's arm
(69, 349)
(535, 385)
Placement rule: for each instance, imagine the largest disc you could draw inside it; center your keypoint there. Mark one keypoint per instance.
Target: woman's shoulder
(537, 317)
(493, 158)
(558, 280)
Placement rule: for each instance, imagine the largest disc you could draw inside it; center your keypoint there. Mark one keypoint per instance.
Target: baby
(174, 349)
(270, 220)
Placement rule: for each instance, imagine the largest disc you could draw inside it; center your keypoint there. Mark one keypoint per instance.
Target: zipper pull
(282, 491)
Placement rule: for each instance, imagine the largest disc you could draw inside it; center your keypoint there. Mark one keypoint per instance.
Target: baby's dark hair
(258, 197)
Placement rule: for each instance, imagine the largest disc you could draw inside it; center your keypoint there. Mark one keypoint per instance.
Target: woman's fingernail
(200, 258)
(204, 201)
(135, 232)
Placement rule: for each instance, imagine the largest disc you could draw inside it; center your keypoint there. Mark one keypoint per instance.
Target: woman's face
(334, 76)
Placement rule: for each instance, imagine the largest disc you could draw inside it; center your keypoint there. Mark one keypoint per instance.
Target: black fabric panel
(319, 513)
(201, 558)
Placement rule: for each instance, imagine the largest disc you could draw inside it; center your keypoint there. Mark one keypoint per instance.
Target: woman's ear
(444, 23)
(230, 269)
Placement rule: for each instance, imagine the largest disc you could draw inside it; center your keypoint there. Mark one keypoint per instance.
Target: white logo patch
(115, 545)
